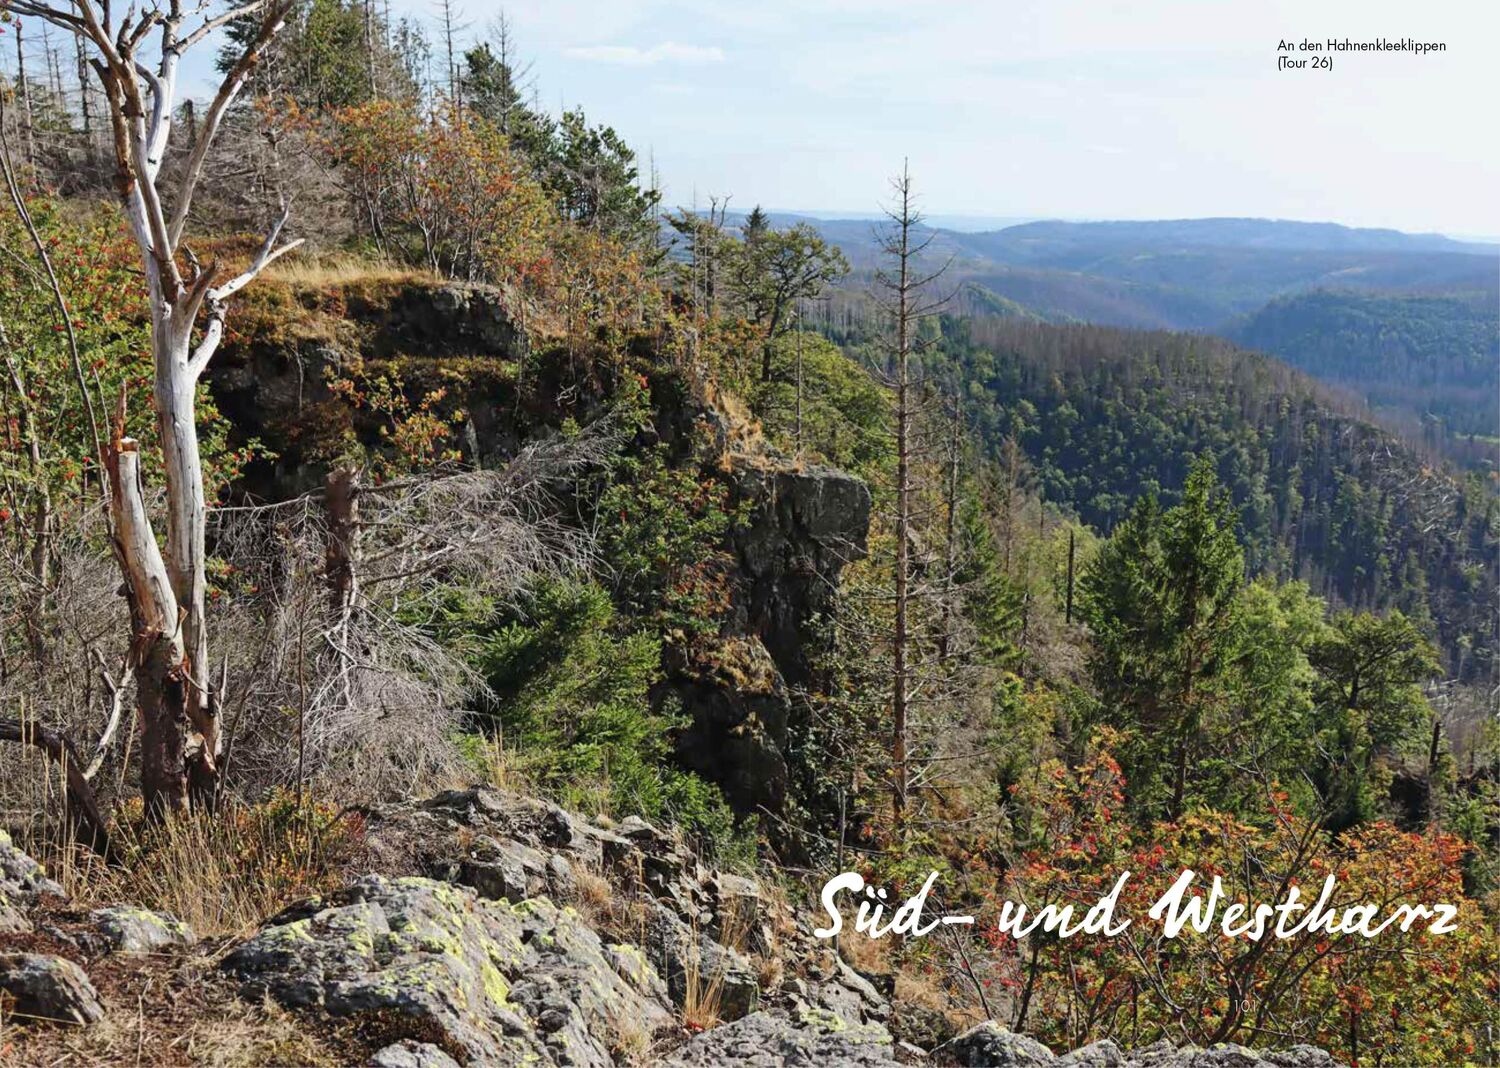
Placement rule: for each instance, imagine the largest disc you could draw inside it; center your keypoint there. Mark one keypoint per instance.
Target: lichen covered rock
(410, 1054)
(502, 983)
(22, 880)
(132, 930)
(810, 1039)
(39, 987)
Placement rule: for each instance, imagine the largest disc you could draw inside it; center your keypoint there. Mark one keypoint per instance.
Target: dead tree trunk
(138, 65)
(158, 653)
(341, 557)
(28, 120)
(899, 679)
(904, 287)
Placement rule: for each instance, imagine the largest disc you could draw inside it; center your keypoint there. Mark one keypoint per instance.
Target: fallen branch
(92, 829)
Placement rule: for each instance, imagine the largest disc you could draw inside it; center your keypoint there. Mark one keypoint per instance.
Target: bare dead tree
(138, 56)
(450, 28)
(903, 285)
(349, 574)
(24, 91)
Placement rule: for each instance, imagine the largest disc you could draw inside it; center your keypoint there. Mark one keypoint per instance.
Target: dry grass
(607, 905)
(499, 768)
(630, 1040)
(224, 874)
(177, 1010)
(342, 268)
(864, 954)
(703, 996)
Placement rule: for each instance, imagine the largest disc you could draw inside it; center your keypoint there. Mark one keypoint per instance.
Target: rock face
(274, 384)
(989, 1045)
(36, 986)
(805, 524)
(500, 983)
(802, 526)
(809, 1039)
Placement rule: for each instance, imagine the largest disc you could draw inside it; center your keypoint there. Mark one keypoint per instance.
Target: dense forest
(1432, 362)
(1105, 416)
(369, 431)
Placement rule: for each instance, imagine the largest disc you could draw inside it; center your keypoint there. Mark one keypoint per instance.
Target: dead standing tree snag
(137, 57)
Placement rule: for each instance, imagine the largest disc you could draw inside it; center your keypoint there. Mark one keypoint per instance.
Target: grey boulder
(810, 1039)
(131, 930)
(42, 987)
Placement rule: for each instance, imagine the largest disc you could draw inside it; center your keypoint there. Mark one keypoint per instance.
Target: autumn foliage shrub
(1408, 997)
(445, 190)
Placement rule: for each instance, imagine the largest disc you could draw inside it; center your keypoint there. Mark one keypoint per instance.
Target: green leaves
(572, 688)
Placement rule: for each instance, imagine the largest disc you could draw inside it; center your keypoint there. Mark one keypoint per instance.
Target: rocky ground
(491, 930)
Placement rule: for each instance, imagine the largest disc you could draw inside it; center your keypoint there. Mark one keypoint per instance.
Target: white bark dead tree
(137, 55)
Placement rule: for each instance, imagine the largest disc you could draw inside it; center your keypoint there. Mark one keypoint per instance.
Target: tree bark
(187, 518)
(157, 652)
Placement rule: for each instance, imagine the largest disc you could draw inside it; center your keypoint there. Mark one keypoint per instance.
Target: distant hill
(1432, 359)
(1266, 234)
(1193, 274)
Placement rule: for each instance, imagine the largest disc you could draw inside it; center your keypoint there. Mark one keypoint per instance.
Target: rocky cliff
(494, 930)
(801, 524)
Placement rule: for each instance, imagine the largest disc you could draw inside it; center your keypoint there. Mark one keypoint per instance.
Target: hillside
(1106, 415)
(1432, 362)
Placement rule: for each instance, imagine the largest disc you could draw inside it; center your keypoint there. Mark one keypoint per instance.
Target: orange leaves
(1412, 996)
(445, 189)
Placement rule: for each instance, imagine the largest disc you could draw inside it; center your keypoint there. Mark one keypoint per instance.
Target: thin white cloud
(666, 52)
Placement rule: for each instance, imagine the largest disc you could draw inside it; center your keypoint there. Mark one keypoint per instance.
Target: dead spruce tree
(903, 285)
(137, 56)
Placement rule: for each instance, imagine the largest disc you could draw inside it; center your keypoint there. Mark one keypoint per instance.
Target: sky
(1036, 108)
(1056, 108)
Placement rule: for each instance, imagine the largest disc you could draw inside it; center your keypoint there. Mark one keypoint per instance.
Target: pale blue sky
(1078, 108)
(1037, 108)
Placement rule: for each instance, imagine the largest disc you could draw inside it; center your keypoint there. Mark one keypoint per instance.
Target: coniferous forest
(460, 606)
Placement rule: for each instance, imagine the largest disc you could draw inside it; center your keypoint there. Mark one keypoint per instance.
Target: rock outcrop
(498, 983)
(990, 1045)
(801, 524)
(801, 527)
(806, 1039)
(22, 881)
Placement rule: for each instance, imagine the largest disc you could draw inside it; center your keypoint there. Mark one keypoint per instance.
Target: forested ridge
(1193, 274)
(1322, 495)
(379, 450)
(1430, 361)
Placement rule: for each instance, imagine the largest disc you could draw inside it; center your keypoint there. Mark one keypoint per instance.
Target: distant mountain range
(1194, 274)
(1407, 322)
